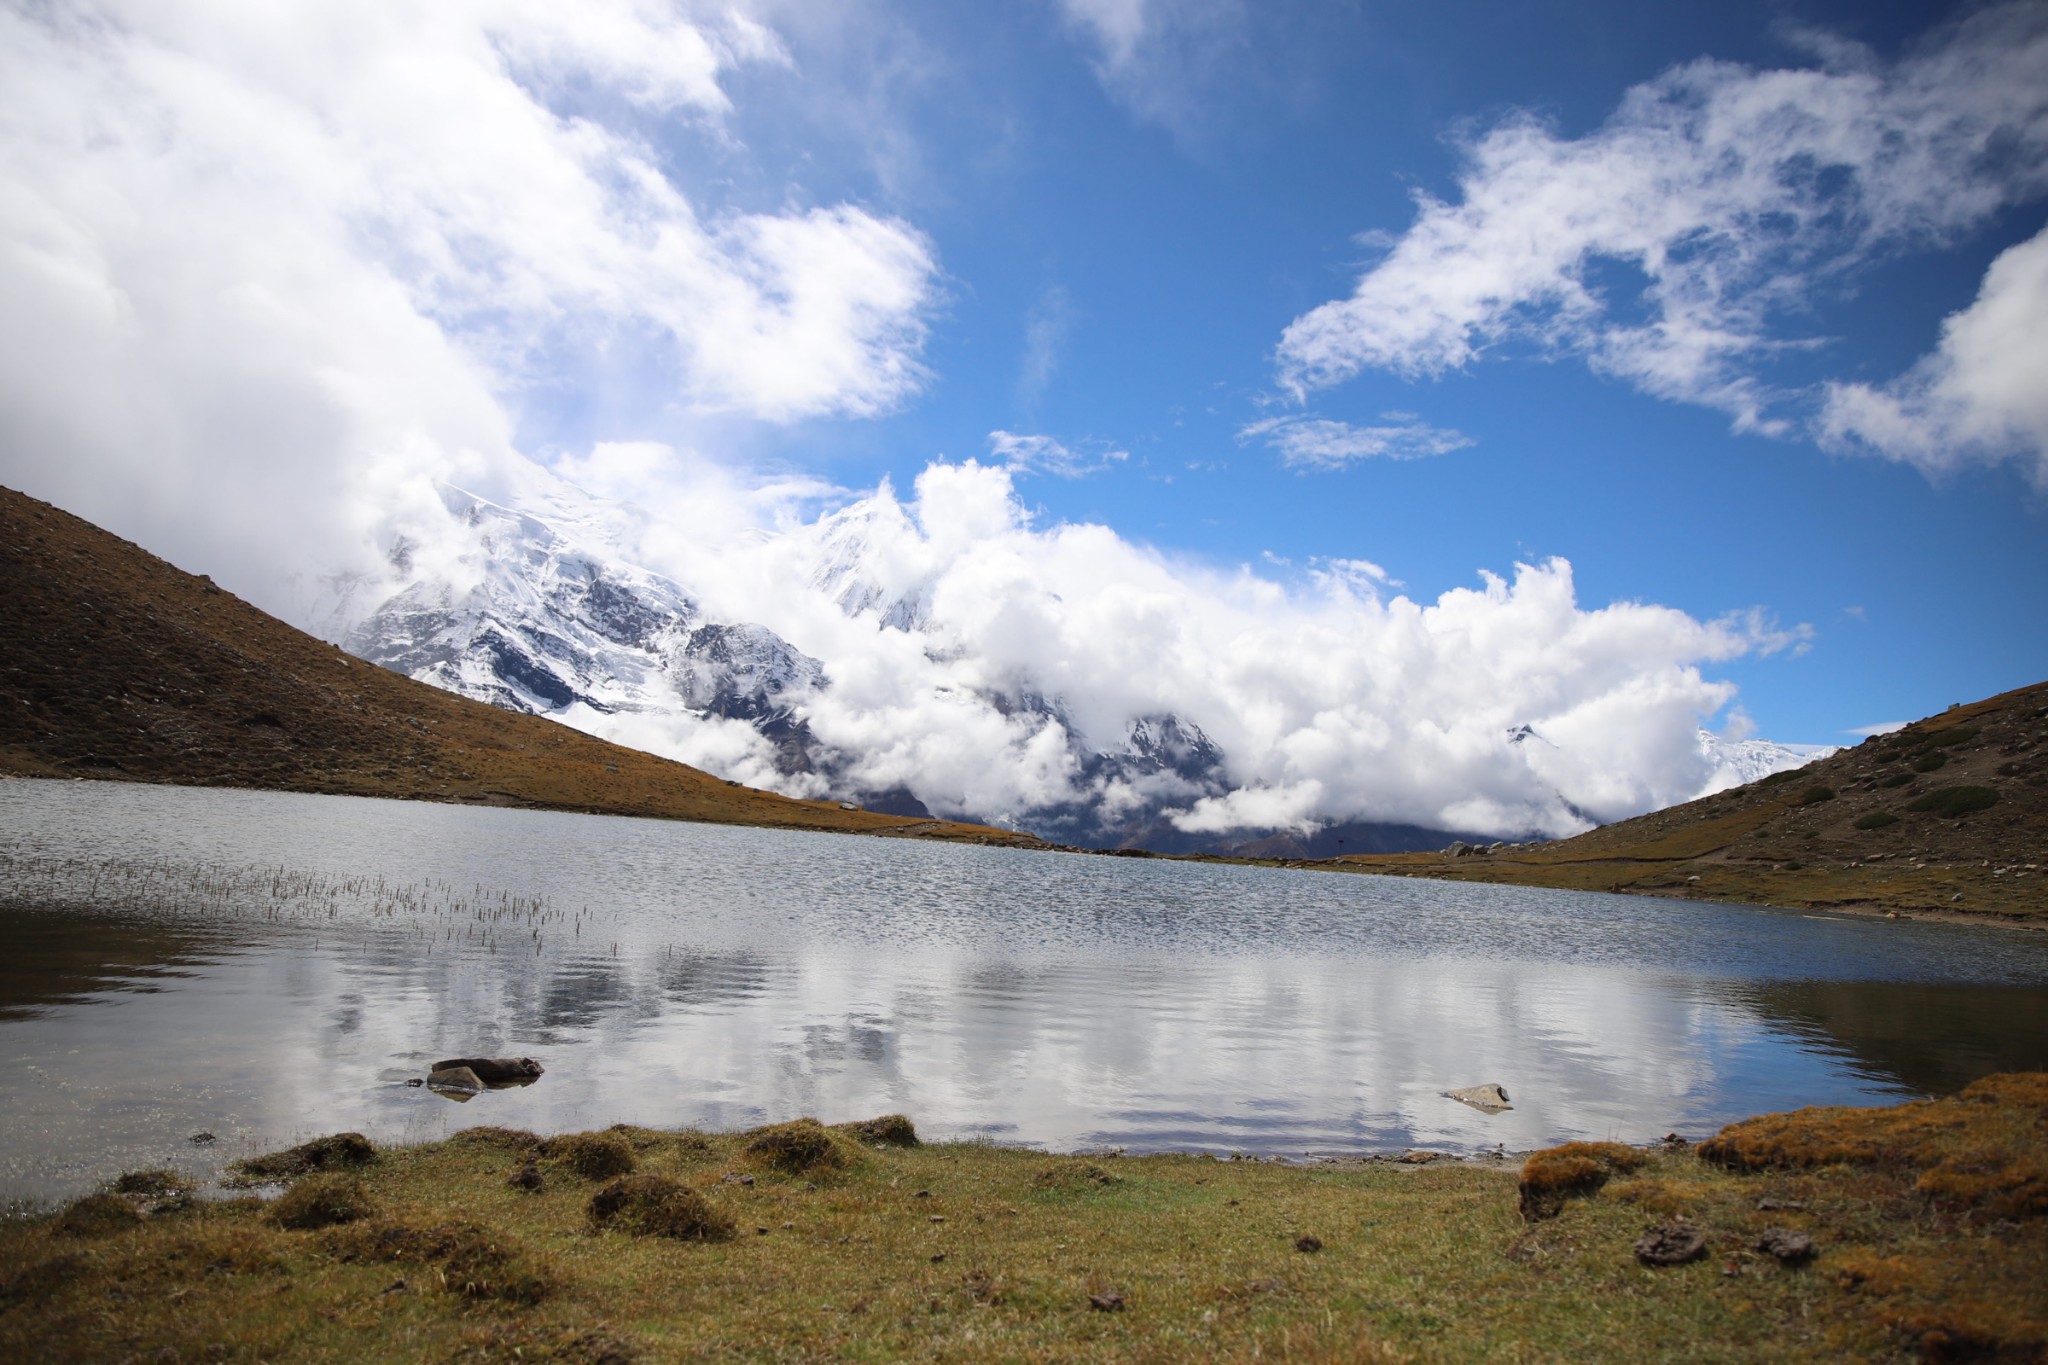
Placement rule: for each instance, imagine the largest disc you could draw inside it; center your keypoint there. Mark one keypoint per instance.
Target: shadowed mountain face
(1948, 816)
(114, 664)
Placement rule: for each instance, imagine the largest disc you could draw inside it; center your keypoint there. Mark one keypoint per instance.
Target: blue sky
(1122, 249)
(1742, 310)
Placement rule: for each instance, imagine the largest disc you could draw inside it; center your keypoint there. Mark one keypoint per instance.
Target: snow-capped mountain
(867, 693)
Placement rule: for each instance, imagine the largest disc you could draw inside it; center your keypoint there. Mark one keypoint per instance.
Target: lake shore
(1911, 1231)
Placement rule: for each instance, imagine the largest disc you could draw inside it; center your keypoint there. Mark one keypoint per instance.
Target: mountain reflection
(54, 959)
(1934, 1038)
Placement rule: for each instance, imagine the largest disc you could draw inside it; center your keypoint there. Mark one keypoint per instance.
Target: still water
(268, 967)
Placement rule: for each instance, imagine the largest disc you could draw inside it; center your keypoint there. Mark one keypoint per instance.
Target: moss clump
(506, 1139)
(97, 1215)
(333, 1152)
(799, 1147)
(890, 1130)
(1877, 819)
(1816, 794)
(649, 1205)
(1552, 1176)
(1980, 1149)
(594, 1156)
(325, 1200)
(472, 1260)
(1951, 802)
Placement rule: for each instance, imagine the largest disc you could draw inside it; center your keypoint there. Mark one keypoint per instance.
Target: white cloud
(1888, 727)
(1311, 443)
(1163, 59)
(1334, 697)
(1980, 397)
(264, 271)
(1032, 454)
(1732, 195)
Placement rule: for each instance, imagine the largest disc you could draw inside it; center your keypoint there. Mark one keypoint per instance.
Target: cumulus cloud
(971, 652)
(1316, 444)
(263, 276)
(1979, 397)
(1668, 246)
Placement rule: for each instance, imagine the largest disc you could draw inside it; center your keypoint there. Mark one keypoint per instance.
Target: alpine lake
(267, 967)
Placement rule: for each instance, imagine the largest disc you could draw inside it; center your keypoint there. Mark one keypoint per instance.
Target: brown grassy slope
(1794, 839)
(114, 664)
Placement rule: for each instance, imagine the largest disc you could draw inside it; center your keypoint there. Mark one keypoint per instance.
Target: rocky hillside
(114, 664)
(1949, 816)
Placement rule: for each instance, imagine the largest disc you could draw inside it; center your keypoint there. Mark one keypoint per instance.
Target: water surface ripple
(267, 966)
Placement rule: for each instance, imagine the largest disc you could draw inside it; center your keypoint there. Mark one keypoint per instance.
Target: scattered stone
(1788, 1246)
(937, 1218)
(922, 1194)
(1308, 1245)
(493, 1070)
(1490, 1098)
(1419, 1158)
(1775, 1203)
(938, 1256)
(736, 1178)
(1108, 1301)
(1670, 1244)
(1672, 1142)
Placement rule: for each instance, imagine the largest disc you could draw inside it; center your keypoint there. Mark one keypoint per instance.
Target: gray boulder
(1490, 1098)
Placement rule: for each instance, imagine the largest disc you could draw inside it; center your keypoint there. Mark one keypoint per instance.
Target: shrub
(798, 1146)
(1877, 819)
(1950, 802)
(1949, 739)
(1816, 794)
(321, 1154)
(322, 1201)
(594, 1156)
(649, 1205)
(1930, 762)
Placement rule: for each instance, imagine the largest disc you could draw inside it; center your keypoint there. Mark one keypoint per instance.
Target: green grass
(973, 1252)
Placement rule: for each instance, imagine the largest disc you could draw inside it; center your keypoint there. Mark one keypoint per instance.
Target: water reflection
(314, 953)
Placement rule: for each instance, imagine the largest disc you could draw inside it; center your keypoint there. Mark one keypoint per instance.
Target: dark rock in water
(493, 1070)
(1670, 1244)
(455, 1080)
(1788, 1246)
(201, 1139)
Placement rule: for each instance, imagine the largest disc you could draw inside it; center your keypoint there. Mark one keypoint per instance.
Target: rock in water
(455, 1080)
(493, 1070)
(1490, 1098)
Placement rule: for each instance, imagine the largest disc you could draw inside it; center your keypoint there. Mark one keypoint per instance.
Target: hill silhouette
(115, 664)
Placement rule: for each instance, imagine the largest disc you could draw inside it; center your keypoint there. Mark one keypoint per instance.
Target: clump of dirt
(472, 1260)
(1552, 1176)
(326, 1200)
(594, 1156)
(799, 1147)
(890, 1130)
(650, 1205)
(1980, 1150)
(333, 1152)
(157, 1191)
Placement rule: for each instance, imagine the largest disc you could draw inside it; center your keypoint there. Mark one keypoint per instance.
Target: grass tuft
(1877, 819)
(890, 1130)
(97, 1215)
(594, 1156)
(333, 1152)
(800, 1147)
(324, 1200)
(1552, 1176)
(467, 1258)
(649, 1205)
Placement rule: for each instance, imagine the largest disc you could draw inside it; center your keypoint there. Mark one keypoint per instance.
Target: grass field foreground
(1919, 1231)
